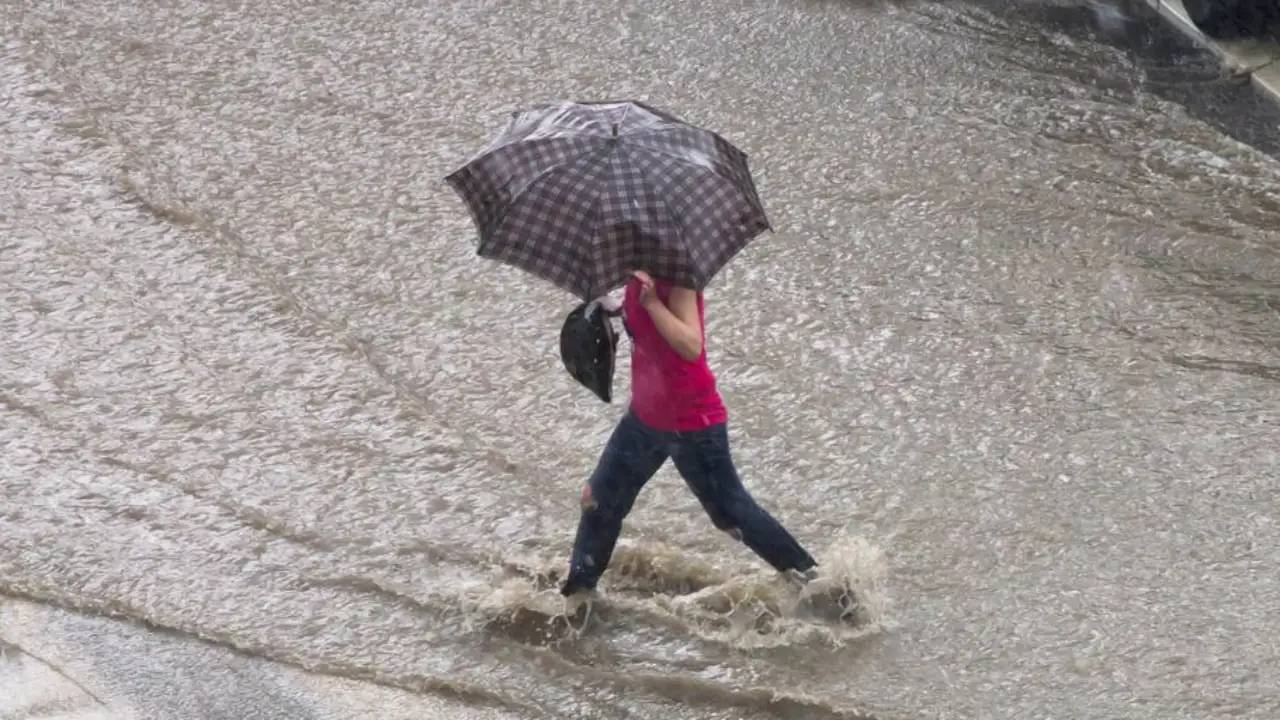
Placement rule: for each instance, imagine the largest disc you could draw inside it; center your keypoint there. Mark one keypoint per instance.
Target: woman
(675, 412)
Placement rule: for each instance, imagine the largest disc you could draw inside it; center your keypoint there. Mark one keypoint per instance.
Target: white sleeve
(610, 303)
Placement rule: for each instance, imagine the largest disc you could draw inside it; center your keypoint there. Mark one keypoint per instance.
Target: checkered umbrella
(581, 194)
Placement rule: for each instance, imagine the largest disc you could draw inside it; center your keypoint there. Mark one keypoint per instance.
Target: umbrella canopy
(581, 194)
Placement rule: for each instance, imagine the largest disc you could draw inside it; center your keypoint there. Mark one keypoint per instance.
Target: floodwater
(1010, 364)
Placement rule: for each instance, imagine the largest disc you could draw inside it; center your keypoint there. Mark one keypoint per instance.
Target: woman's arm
(677, 320)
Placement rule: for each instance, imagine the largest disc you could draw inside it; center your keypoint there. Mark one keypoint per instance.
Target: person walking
(675, 413)
(581, 193)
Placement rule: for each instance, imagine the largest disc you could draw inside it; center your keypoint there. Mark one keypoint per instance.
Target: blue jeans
(632, 456)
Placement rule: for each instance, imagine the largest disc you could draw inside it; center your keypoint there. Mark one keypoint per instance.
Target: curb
(61, 664)
(1258, 59)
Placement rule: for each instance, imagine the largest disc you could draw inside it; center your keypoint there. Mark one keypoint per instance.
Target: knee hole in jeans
(588, 500)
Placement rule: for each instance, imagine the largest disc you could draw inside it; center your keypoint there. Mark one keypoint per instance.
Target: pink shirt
(668, 393)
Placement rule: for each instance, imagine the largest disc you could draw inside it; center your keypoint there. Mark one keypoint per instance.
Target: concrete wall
(1258, 59)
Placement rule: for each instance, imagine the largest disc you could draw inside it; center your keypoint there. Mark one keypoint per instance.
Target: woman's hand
(679, 324)
(648, 295)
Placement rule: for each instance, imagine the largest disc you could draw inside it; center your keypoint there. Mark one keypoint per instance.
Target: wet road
(1009, 364)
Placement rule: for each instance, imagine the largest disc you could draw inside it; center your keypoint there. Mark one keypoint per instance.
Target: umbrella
(581, 194)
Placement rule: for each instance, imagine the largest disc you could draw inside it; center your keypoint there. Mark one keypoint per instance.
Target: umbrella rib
(506, 208)
(749, 191)
(597, 212)
(675, 219)
(664, 126)
(667, 127)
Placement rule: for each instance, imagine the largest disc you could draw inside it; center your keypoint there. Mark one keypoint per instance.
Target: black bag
(588, 348)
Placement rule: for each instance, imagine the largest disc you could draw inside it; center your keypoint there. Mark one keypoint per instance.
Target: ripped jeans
(632, 456)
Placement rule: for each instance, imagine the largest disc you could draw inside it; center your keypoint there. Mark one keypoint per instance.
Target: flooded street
(1010, 363)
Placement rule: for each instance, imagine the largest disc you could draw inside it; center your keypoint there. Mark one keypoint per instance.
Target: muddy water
(1009, 364)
